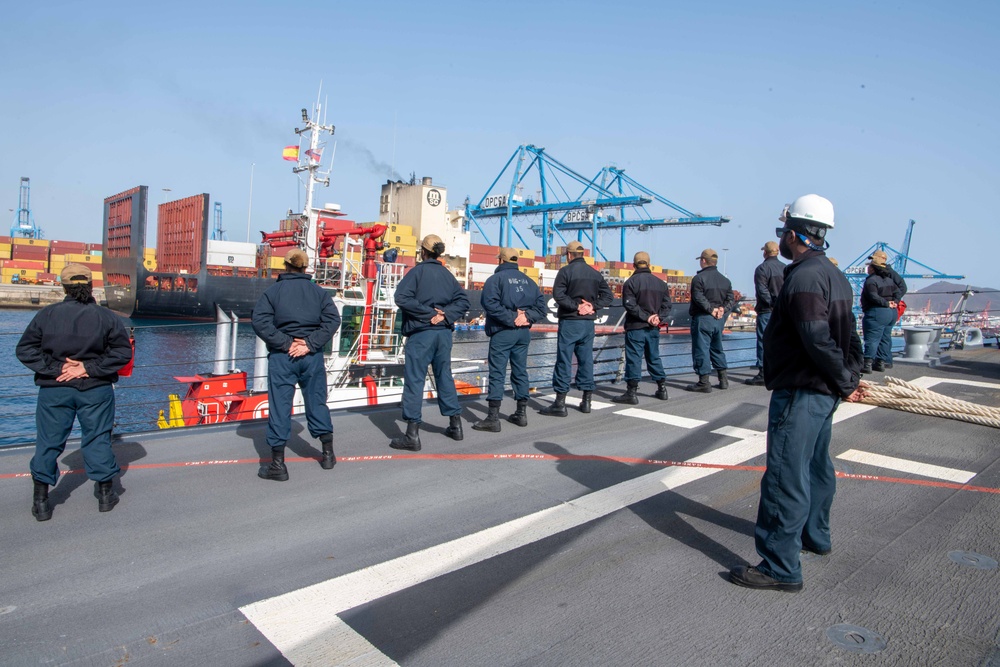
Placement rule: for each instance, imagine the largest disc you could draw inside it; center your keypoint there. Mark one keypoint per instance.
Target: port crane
(218, 233)
(24, 221)
(900, 260)
(610, 200)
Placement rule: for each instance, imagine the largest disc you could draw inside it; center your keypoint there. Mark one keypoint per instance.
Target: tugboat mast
(310, 162)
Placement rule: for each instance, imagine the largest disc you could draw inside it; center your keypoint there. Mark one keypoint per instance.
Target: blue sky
(889, 109)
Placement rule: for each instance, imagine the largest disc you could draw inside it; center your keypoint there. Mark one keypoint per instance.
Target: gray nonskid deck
(197, 536)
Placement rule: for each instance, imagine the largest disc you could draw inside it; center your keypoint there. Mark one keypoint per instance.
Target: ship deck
(597, 539)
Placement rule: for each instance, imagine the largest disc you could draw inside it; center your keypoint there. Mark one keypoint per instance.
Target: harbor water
(167, 349)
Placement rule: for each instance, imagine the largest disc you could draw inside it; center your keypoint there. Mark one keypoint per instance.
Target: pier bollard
(223, 327)
(915, 349)
(934, 345)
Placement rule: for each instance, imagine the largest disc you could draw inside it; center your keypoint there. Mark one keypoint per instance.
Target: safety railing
(167, 351)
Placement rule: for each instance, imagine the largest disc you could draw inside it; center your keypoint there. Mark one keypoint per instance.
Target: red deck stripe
(530, 457)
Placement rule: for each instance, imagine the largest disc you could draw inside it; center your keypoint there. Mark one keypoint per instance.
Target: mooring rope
(900, 395)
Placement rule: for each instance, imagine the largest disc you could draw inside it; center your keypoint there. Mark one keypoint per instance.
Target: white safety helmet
(810, 209)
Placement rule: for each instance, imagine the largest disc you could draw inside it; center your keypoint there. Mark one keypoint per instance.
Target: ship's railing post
(223, 328)
(259, 365)
(233, 336)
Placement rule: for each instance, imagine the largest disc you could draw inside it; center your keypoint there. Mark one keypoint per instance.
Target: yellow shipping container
(588, 259)
(5, 250)
(22, 273)
(406, 230)
(656, 268)
(39, 242)
(83, 259)
(149, 264)
(521, 252)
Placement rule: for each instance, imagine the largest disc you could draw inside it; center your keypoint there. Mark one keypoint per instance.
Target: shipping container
(232, 259)
(182, 227)
(43, 243)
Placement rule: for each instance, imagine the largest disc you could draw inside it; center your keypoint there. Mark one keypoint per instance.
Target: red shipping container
(68, 248)
(30, 252)
(95, 247)
(182, 227)
(34, 265)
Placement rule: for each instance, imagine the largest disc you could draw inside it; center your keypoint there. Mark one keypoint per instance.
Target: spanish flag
(290, 153)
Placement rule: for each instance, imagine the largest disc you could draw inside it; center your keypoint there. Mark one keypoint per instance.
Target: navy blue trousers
(876, 326)
(796, 491)
(576, 338)
(706, 344)
(283, 373)
(762, 320)
(57, 408)
(509, 346)
(641, 343)
(428, 348)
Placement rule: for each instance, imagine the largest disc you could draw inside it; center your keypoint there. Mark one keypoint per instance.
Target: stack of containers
(92, 259)
(403, 239)
(29, 258)
(58, 252)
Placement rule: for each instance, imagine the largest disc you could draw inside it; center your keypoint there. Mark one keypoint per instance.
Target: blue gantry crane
(218, 233)
(610, 200)
(900, 260)
(24, 221)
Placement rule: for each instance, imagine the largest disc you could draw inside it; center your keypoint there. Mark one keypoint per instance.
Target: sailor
(879, 303)
(296, 318)
(431, 301)
(76, 349)
(511, 302)
(579, 291)
(647, 307)
(712, 300)
(767, 280)
(812, 361)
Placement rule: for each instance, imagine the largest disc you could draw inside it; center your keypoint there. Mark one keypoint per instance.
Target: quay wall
(36, 296)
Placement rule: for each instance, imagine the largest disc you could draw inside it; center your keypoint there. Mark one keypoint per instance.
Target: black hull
(238, 295)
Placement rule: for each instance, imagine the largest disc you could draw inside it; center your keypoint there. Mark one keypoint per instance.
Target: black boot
(585, 402)
(756, 380)
(630, 396)
(41, 509)
(520, 418)
(878, 366)
(661, 390)
(723, 379)
(107, 497)
(276, 470)
(557, 408)
(703, 385)
(492, 421)
(867, 368)
(410, 441)
(454, 430)
(329, 459)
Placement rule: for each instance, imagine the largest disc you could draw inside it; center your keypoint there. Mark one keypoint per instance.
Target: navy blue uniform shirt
(577, 282)
(427, 286)
(643, 295)
(507, 291)
(768, 278)
(295, 307)
(709, 290)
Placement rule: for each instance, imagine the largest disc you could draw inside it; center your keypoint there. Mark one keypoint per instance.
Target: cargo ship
(188, 274)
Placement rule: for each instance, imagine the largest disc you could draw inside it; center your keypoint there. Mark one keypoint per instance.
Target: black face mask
(783, 248)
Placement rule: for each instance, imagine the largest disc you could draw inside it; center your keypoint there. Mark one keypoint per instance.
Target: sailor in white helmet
(812, 361)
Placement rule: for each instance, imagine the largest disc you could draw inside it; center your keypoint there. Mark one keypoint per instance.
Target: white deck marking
(572, 402)
(912, 467)
(662, 417)
(304, 625)
(929, 381)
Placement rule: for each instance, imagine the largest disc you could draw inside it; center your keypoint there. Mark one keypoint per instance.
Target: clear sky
(889, 109)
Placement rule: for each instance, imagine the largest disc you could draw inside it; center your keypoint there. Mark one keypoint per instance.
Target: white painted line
(572, 402)
(912, 467)
(741, 433)
(847, 410)
(663, 418)
(304, 626)
(929, 381)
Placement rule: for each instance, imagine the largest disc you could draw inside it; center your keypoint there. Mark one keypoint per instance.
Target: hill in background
(944, 294)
